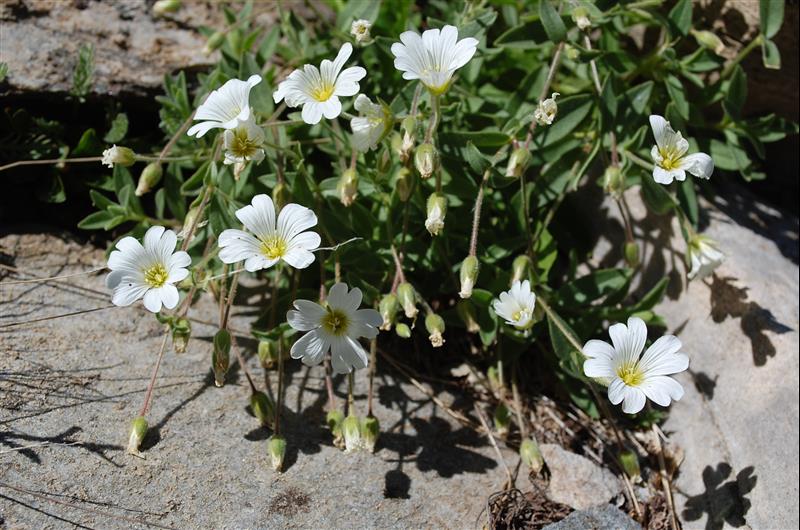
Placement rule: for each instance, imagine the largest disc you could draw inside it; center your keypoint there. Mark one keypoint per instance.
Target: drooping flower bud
(631, 250)
(407, 297)
(348, 187)
(530, 455)
(402, 330)
(520, 268)
(518, 162)
(137, 433)
(359, 29)
(335, 421)
(468, 276)
(708, 39)
(267, 353)
(466, 311)
(276, 447)
(214, 42)
(614, 181)
(437, 210)
(117, 154)
(280, 195)
(409, 126)
(703, 255)
(151, 175)
(221, 358)
(630, 464)
(162, 7)
(181, 331)
(546, 112)
(426, 159)
(352, 433)
(502, 420)
(263, 408)
(404, 184)
(370, 431)
(580, 15)
(435, 326)
(388, 307)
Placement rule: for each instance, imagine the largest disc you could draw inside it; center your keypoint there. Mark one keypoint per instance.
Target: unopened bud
(630, 464)
(546, 112)
(384, 161)
(521, 268)
(493, 374)
(571, 52)
(137, 434)
(708, 39)
(280, 195)
(466, 311)
(437, 210)
(404, 184)
(189, 221)
(214, 42)
(409, 126)
(435, 326)
(402, 330)
(181, 331)
(388, 307)
(370, 431)
(580, 15)
(263, 408)
(117, 154)
(348, 187)
(614, 181)
(351, 428)
(469, 275)
(267, 353)
(221, 358)
(632, 254)
(276, 447)
(426, 159)
(151, 175)
(518, 162)
(162, 7)
(502, 420)
(335, 421)
(530, 455)
(408, 299)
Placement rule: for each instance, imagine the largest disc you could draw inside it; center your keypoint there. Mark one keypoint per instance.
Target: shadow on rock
(724, 499)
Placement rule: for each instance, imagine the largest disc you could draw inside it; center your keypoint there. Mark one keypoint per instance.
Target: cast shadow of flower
(728, 300)
(723, 501)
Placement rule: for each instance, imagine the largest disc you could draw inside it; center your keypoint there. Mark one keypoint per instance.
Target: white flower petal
(258, 216)
(634, 400)
(152, 238)
(127, 292)
(237, 245)
(598, 349)
(629, 340)
(311, 348)
(662, 131)
(365, 324)
(698, 164)
(662, 357)
(306, 316)
(169, 295)
(312, 112)
(616, 391)
(662, 390)
(298, 258)
(346, 354)
(600, 367)
(295, 219)
(152, 300)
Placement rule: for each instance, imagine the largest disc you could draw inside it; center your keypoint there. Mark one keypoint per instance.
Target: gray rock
(598, 518)
(577, 481)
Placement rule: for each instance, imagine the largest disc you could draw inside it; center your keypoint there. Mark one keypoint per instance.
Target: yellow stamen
(156, 275)
(630, 374)
(670, 158)
(273, 247)
(323, 92)
(242, 145)
(335, 322)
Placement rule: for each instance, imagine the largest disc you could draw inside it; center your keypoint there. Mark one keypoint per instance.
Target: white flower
(437, 210)
(318, 89)
(118, 155)
(147, 271)
(244, 143)
(580, 15)
(669, 155)
(546, 112)
(270, 242)
(372, 124)
(433, 57)
(225, 107)
(705, 257)
(516, 305)
(631, 378)
(360, 30)
(335, 327)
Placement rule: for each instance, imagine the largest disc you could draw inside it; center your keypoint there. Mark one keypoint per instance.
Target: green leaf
(678, 95)
(3, 71)
(681, 16)
(52, 189)
(95, 221)
(99, 200)
(771, 15)
(476, 160)
(737, 93)
(652, 297)
(567, 355)
(608, 101)
(551, 20)
(728, 156)
(639, 96)
(656, 196)
(118, 130)
(479, 138)
(770, 55)
(84, 71)
(88, 144)
(688, 200)
(594, 286)
(571, 113)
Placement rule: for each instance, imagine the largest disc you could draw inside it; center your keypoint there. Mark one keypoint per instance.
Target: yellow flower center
(630, 374)
(156, 275)
(335, 322)
(273, 247)
(322, 92)
(670, 158)
(242, 145)
(522, 314)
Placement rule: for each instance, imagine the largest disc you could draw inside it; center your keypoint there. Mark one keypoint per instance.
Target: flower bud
(267, 353)
(530, 455)
(116, 154)
(437, 210)
(276, 447)
(571, 52)
(632, 254)
(493, 374)
(404, 184)
(708, 39)
(518, 162)
(214, 42)
(189, 221)
(546, 112)
(351, 428)
(466, 311)
(580, 15)
(384, 161)
(137, 434)
(435, 326)
(221, 358)
(348, 187)
(335, 420)
(426, 159)
(359, 29)
(469, 275)
(151, 175)
(614, 181)
(370, 431)
(162, 7)
(502, 420)
(521, 268)
(630, 464)
(388, 307)
(280, 195)
(408, 299)
(263, 408)
(181, 330)
(409, 126)
(402, 330)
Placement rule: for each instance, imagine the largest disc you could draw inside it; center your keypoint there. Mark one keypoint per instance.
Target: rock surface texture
(599, 517)
(577, 481)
